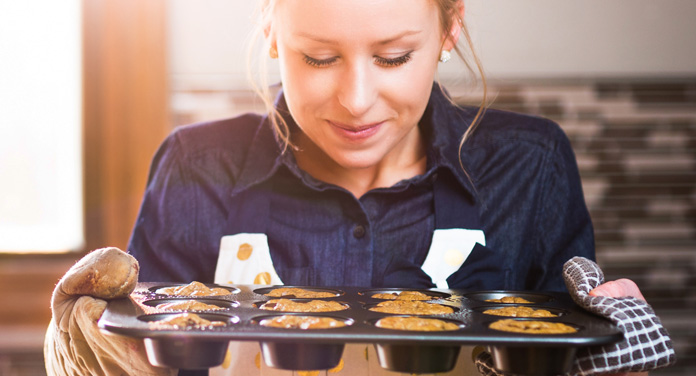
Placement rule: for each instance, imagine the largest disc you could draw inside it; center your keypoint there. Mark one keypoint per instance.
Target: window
(41, 205)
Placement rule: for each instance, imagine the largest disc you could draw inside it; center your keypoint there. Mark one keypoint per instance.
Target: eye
(319, 63)
(393, 62)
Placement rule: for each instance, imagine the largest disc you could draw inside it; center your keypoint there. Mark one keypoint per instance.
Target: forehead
(350, 20)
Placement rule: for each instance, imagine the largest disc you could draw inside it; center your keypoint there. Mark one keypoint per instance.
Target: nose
(357, 92)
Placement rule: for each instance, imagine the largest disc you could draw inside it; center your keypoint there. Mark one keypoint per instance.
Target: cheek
(412, 88)
(304, 91)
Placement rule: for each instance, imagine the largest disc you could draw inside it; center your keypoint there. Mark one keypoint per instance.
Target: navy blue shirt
(520, 185)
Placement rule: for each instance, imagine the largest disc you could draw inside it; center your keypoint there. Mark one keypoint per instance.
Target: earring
(273, 53)
(445, 56)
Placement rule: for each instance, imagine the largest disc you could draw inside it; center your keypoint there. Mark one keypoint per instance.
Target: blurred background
(89, 89)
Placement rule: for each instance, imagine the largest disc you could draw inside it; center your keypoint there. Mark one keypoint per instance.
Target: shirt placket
(359, 246)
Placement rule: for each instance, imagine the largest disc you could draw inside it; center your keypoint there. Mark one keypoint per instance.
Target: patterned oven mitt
(646, 345)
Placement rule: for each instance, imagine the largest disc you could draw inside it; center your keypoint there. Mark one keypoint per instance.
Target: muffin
(415, 323)
(287, 305)
(186, 321)
(193, 289)
(295, 292)
(532, 327)
(404, 295)
(302, 322)
(411, 307)
(187, 305)
(510, 299)
(519, 311)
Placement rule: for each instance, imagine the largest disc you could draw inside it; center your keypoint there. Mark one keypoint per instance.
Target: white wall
(542, 38)
(515, 38)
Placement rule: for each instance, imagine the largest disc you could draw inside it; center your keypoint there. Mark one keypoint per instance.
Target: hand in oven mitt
(74, 345)
(646, 343)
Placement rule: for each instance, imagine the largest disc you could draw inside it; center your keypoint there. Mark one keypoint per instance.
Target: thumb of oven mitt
(74, 345)
(646, 344)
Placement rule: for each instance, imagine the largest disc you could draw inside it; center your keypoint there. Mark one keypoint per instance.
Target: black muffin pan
(397, 350)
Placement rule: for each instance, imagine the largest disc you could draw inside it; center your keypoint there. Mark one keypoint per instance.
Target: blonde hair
(448, 13)
(258, 77)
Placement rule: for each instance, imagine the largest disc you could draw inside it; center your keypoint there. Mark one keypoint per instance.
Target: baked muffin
(287, 305)
(532, 327)
(302, 322)
(411, 307)
(188, 305)
(403, 295)
(186, 321)
(295, 292)
(510, 299)
(193, 289)
(519, 311)
(416, 324)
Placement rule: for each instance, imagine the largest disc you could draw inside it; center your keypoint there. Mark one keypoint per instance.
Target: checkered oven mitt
(646, 343)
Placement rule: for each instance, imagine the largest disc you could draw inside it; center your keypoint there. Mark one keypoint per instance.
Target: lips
(355, 132)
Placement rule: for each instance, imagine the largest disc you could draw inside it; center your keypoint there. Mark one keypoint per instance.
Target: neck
(359, 180)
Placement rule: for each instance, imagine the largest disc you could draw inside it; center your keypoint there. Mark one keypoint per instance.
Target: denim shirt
(518, 182)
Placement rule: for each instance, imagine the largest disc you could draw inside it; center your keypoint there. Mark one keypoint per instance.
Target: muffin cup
(540, 360)
(185, 352)
(417, 358)
(301, 356)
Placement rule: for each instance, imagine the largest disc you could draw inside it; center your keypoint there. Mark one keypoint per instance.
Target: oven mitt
(646, 345)
(74, 345)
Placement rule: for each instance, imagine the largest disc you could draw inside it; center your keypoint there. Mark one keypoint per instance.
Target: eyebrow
(388, 40)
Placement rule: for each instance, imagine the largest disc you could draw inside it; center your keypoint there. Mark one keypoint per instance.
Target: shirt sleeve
(164, 239)
(564, 227)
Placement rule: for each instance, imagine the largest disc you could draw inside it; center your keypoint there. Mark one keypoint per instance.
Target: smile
(355, 132)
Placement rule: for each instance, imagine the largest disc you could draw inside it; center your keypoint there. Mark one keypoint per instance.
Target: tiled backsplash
(635, 142)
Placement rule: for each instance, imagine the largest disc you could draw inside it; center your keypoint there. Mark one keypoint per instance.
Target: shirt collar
(443, 125)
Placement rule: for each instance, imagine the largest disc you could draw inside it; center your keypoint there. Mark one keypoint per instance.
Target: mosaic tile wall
(635, 142)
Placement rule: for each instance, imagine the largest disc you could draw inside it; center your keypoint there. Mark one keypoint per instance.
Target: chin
(356, 162)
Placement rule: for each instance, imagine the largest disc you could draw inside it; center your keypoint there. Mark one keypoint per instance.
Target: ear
(450, 39)
(268, 30)
(269, 34)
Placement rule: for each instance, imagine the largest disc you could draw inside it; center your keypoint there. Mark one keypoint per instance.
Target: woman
(371, 172)
(357, 175)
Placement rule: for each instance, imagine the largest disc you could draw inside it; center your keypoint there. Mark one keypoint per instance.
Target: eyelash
(395, 62)
(388, 63)
(319, 63)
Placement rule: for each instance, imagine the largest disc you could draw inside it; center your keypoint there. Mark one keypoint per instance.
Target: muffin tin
(401, 351)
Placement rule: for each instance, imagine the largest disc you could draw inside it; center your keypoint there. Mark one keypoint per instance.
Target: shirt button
(359, 231)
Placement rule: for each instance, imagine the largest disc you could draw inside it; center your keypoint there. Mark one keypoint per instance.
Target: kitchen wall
(515, 39)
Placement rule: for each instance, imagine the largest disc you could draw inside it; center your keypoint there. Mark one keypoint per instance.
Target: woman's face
(357, 74)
